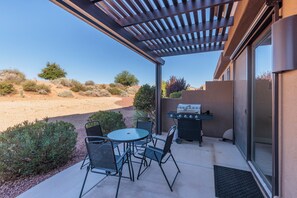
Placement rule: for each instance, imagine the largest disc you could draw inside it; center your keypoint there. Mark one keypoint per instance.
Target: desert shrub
(109, 120)
(6, 88)
(62, 81)
(117, 85)
(144, 100)
(33, 148)
(126, 78)
(96, 93)
(77, 86)
(30, 85)
(43, 89)
(175, 84)
(12, 76)
(89, 82)
(114, 91)
(102, 86)
(132, 90)
(65, 94)
(124, 94)
(52, 71)
(175, 94)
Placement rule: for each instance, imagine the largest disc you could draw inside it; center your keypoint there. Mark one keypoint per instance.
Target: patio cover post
(158, 98)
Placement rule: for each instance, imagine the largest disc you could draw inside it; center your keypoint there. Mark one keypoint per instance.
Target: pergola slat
(192, 51)
(170, 11)
(191, 42)
(187, 29)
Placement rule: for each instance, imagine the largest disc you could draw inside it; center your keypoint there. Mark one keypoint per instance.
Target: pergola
(159, 28)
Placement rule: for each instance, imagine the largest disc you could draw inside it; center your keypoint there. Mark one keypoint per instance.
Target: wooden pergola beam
(91, 14)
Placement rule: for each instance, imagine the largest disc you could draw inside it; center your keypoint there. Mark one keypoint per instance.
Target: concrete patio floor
(196, 178)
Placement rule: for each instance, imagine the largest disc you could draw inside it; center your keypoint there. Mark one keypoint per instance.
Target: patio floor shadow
(196, 178)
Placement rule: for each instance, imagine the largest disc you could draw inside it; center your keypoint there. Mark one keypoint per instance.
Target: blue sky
(34, 32)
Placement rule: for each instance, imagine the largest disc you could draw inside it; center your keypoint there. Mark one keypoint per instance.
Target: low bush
(6, 88)
(30, 85)
(65, 94)
(96, 93)
(132, 90)
(34, 148)
(12, 76)
(175, 94)
(114, 91)
(109, 120)
(62, 81)
(124, 94)
(89, 82)
(117, 85)
(77, 86)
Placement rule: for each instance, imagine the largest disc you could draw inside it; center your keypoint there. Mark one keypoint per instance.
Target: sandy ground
(74, 110)
(14, 112)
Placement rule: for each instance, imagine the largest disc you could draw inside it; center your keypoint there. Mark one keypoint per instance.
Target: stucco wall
(288, 122)
(217, 98)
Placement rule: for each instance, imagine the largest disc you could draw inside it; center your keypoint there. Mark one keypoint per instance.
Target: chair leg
(82, 188)
(140, 168)
(165, 177)
(83, 163)
(175, 163)
(120, 176)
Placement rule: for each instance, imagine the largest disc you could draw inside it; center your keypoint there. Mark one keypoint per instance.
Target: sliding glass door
(261, 110)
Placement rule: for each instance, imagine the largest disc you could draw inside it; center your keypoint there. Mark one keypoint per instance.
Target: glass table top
(128, 135)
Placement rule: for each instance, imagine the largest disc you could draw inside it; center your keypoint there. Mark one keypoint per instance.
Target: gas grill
(189, 117)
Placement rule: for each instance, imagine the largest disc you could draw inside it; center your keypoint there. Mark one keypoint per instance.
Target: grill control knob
(196, 117)
(185, 116)
(179, 116)
(191, 116)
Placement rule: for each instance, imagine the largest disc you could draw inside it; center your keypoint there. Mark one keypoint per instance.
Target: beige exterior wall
(288, 134)
(288, 122)
(217, 98)
(225, 72)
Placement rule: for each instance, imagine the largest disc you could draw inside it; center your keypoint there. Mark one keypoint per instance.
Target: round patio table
(128, 135)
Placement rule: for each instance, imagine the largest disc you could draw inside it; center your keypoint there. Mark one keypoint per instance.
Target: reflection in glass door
(261, 155)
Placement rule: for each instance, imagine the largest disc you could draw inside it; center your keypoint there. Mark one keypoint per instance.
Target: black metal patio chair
(93, 128)
(104, 161)
(159, 155)
(146, 124)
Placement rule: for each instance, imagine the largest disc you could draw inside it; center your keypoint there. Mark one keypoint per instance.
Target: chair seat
(152, 154)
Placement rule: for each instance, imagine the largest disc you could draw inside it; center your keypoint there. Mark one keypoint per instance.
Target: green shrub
(6, 88)
(109, 120)
(12, 76)
(65, 94)
(126, 78)
(33, 148)
(89, 82)
(175, 94)
(52, 71)
(77, 86)
(30, 85)
(114, 91)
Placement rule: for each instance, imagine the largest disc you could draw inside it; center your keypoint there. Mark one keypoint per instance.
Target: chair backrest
(145, 123)
(93, 128)
(169, 139)
(101, 153)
